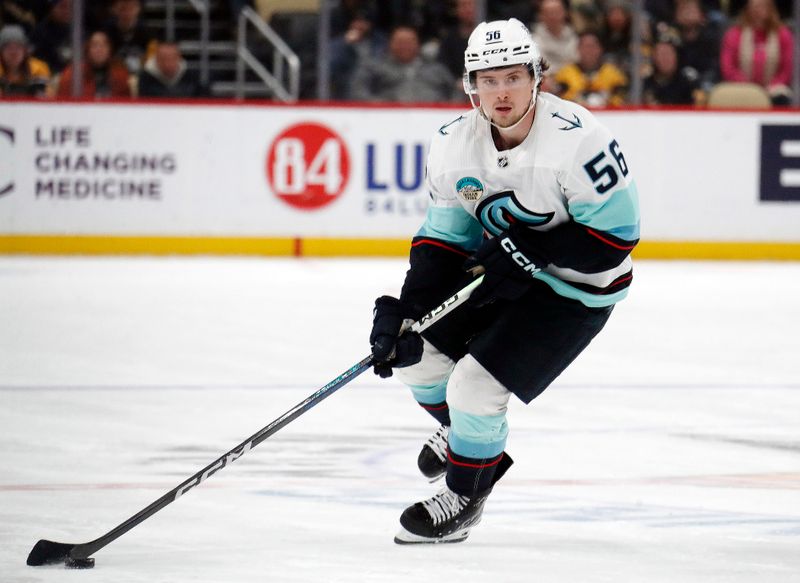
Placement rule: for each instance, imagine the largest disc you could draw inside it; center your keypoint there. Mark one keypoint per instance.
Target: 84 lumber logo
(308, 166)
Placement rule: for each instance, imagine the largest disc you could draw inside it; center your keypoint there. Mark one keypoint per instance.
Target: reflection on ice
(667, 453)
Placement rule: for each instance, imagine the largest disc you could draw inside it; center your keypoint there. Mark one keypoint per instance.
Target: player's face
(505, 94)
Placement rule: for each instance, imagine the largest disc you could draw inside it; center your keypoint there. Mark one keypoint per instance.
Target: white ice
(669, 451)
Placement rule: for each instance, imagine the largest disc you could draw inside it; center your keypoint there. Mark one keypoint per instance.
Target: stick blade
(47, 552)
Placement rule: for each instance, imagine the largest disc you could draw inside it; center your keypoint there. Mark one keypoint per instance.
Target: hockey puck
(71, 563)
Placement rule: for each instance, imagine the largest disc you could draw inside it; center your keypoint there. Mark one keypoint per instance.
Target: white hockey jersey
(568, 169)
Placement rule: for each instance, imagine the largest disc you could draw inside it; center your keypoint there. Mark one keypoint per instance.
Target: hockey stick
(77, 556)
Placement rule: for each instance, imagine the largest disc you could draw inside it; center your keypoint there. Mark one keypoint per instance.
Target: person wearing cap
(20, 73)
(533, 192)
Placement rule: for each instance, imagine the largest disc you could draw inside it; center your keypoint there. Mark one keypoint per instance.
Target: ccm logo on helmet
(518, 257)
(495, 51)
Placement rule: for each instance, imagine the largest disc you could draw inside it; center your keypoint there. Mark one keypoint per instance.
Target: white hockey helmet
(500, 43)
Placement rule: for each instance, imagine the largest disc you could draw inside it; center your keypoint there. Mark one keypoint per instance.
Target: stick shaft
(84, 550)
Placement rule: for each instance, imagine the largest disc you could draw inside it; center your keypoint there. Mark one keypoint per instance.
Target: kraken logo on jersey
(498, 212)
(469, 188)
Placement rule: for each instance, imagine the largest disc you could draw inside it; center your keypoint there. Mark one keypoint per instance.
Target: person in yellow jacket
(20, 74)
(590, 81)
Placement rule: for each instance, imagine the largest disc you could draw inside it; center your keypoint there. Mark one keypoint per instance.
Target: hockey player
(535, 191)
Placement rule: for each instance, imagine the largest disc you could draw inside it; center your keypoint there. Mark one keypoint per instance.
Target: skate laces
(438, 442)
(445, 505)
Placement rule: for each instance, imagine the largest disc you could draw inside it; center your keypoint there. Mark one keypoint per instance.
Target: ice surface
(669, 452)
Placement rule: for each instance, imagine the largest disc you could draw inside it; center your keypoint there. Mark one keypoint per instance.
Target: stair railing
(203, 9)
(285, 62)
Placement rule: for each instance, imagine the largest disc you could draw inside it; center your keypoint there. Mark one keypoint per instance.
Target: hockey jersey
(567, 183)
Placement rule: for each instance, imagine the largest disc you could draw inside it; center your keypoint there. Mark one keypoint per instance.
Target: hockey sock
(470, 476)
(439, 411)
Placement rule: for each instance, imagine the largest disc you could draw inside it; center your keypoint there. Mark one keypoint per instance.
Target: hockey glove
(509, 270)
(390, 348)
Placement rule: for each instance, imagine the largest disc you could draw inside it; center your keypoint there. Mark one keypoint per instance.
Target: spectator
(167, 75)
(668, 84)
(133, 42)
(555, 36)
(426, 17)
(758, 49)
(25, 13)
(403, 75)
(585, 15)
(454, 38)
(361, 42)
(343, 14)
(699, 42)
(103, 76)
(347, 11)
(618, 35)
(660, 10)
(734, 7)
(52, 37)
(591, 81)
(20, 73)
(522, 10)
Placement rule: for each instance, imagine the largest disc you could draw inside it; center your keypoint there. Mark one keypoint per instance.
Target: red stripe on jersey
(440, 244)
(607, 242)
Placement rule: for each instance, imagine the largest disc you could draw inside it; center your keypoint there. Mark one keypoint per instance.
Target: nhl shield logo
(469, 188)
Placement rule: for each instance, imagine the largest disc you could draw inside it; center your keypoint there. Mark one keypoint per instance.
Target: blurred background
(601, 52)
(274, 127)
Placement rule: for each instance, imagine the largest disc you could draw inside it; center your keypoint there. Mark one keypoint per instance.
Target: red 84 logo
(308, 166)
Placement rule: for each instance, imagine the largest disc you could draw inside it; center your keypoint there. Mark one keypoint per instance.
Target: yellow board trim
(330, 247)
(722, 250)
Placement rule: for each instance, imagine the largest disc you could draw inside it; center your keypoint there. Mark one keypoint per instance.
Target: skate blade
(404, 537)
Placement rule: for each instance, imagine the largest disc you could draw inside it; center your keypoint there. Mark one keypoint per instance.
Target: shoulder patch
(442, 130)
(469, 188)
(572, 124)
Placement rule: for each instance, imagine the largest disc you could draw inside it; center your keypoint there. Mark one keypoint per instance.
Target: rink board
(265, 179)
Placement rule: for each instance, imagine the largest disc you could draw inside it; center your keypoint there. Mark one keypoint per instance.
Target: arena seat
(739, 95)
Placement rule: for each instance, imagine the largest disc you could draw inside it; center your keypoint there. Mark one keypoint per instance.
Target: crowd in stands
(685, 48)
(121, 58)
(412, 50)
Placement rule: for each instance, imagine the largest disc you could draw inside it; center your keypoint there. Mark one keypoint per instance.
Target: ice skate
(447, 517)
(432, 460)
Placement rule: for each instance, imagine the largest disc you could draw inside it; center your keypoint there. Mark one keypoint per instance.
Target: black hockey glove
(390, 348)
(509, 269)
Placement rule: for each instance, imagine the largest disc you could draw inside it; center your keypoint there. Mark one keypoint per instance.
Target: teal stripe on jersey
(586, 298)
(617, 214)
(429, 394)
(477, 436)
(454, 225)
